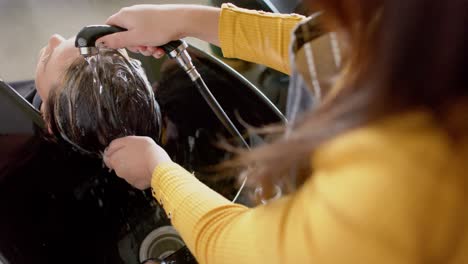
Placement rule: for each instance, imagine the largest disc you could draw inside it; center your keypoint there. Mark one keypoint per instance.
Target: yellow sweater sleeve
(364, 204)
(257, 36)
(219, 231)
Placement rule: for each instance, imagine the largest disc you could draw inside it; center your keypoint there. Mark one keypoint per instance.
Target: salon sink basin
(58, 206)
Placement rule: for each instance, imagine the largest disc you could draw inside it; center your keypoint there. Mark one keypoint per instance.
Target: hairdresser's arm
(254, 36)
(257, 36)
(348, 212)
(155, 25)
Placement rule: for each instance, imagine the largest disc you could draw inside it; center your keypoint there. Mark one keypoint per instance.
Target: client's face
(54, 59)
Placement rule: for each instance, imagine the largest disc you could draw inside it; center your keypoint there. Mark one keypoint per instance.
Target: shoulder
(399, 139)
(375, 182)
(403, 152)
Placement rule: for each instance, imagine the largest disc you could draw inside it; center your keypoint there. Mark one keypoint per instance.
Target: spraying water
(93, 63)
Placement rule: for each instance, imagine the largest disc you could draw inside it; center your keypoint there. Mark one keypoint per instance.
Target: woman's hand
(150, 26)
(134, 159)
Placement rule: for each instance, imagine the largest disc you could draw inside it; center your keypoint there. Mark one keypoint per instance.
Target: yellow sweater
(390, 192)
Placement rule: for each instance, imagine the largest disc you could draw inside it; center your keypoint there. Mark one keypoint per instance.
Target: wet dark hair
(89, 112)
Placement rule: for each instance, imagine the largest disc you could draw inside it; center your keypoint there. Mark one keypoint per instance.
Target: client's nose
(55, 40)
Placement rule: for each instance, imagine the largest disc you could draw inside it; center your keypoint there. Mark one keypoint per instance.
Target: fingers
(112, 152)
(115, 19)
(141, 185)
(146, 51)
(108, 161)
(133, 49)
(118, 144)
(158, 53)
(115, 146)
(121, 39)
(151, 50)
(118, 40)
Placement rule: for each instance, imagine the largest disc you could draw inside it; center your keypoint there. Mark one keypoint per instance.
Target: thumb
(118, 40)
(108, 162)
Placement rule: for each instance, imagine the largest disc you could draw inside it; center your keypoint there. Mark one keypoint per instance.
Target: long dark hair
(89, 112)
(402, 55)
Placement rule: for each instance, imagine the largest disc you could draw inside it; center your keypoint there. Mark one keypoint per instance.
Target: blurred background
(26, 26)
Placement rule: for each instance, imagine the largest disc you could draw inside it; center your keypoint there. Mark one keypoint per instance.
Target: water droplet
(191, 141)
(93, 63)
(122, 75)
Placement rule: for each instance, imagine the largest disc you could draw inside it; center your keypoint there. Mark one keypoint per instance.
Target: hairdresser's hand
(150, 26)
(134, 159)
